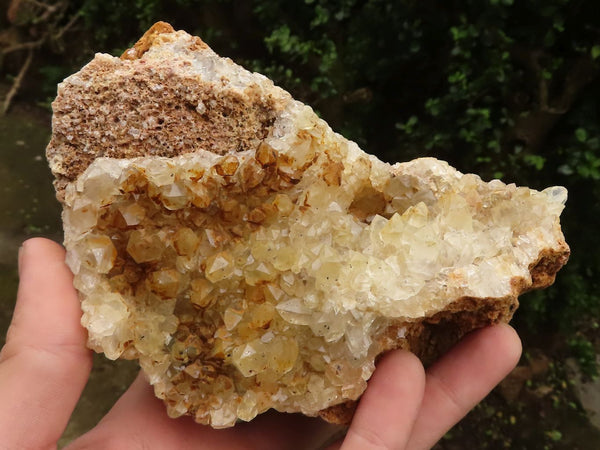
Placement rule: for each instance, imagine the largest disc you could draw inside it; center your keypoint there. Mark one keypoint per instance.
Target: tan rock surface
(251, 258)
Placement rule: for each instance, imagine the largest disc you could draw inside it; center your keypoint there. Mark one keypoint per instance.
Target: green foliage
(51, 75)
(585, 353)
(112, 20)
(554, 435)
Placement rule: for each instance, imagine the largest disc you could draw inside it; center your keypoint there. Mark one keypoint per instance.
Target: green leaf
(321, 16)
(536, 161)
(554, 435)
(581, 134)
(409, 126)
(559, 24)
(457, 77)
(595, 51)
(433, 106)
(494, 145)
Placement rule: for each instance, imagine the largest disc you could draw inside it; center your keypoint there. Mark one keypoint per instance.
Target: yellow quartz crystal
(251, 258)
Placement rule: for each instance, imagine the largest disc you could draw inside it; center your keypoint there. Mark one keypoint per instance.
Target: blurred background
(502, 88)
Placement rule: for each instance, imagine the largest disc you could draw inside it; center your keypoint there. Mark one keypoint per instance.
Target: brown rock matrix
(251, 258)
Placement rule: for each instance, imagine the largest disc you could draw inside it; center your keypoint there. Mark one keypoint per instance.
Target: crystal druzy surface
(267, 266)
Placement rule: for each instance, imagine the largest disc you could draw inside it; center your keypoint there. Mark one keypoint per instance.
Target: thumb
(44, 364)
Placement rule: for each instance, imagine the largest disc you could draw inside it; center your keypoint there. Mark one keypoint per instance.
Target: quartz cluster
(251, 258)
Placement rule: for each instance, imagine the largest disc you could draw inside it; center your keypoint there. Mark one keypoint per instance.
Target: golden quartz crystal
(251, 258)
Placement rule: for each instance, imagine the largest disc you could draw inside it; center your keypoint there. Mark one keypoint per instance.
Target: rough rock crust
(244, 158)
(160, 110)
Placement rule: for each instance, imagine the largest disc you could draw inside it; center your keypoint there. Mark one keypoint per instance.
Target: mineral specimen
(249, 257)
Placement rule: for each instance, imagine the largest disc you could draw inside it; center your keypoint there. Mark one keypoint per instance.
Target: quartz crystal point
(251, 258)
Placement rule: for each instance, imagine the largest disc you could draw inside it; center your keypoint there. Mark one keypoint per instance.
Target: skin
(45, 365)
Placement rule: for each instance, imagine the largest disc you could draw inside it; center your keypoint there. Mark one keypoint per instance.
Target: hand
(45, 365)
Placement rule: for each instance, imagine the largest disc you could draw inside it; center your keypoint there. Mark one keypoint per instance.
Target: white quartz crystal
(268, 266)
(289, 280)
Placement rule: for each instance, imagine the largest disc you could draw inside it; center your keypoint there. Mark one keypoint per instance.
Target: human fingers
(387, 410)
(462, 378)
(44, 364)
(139, 420)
